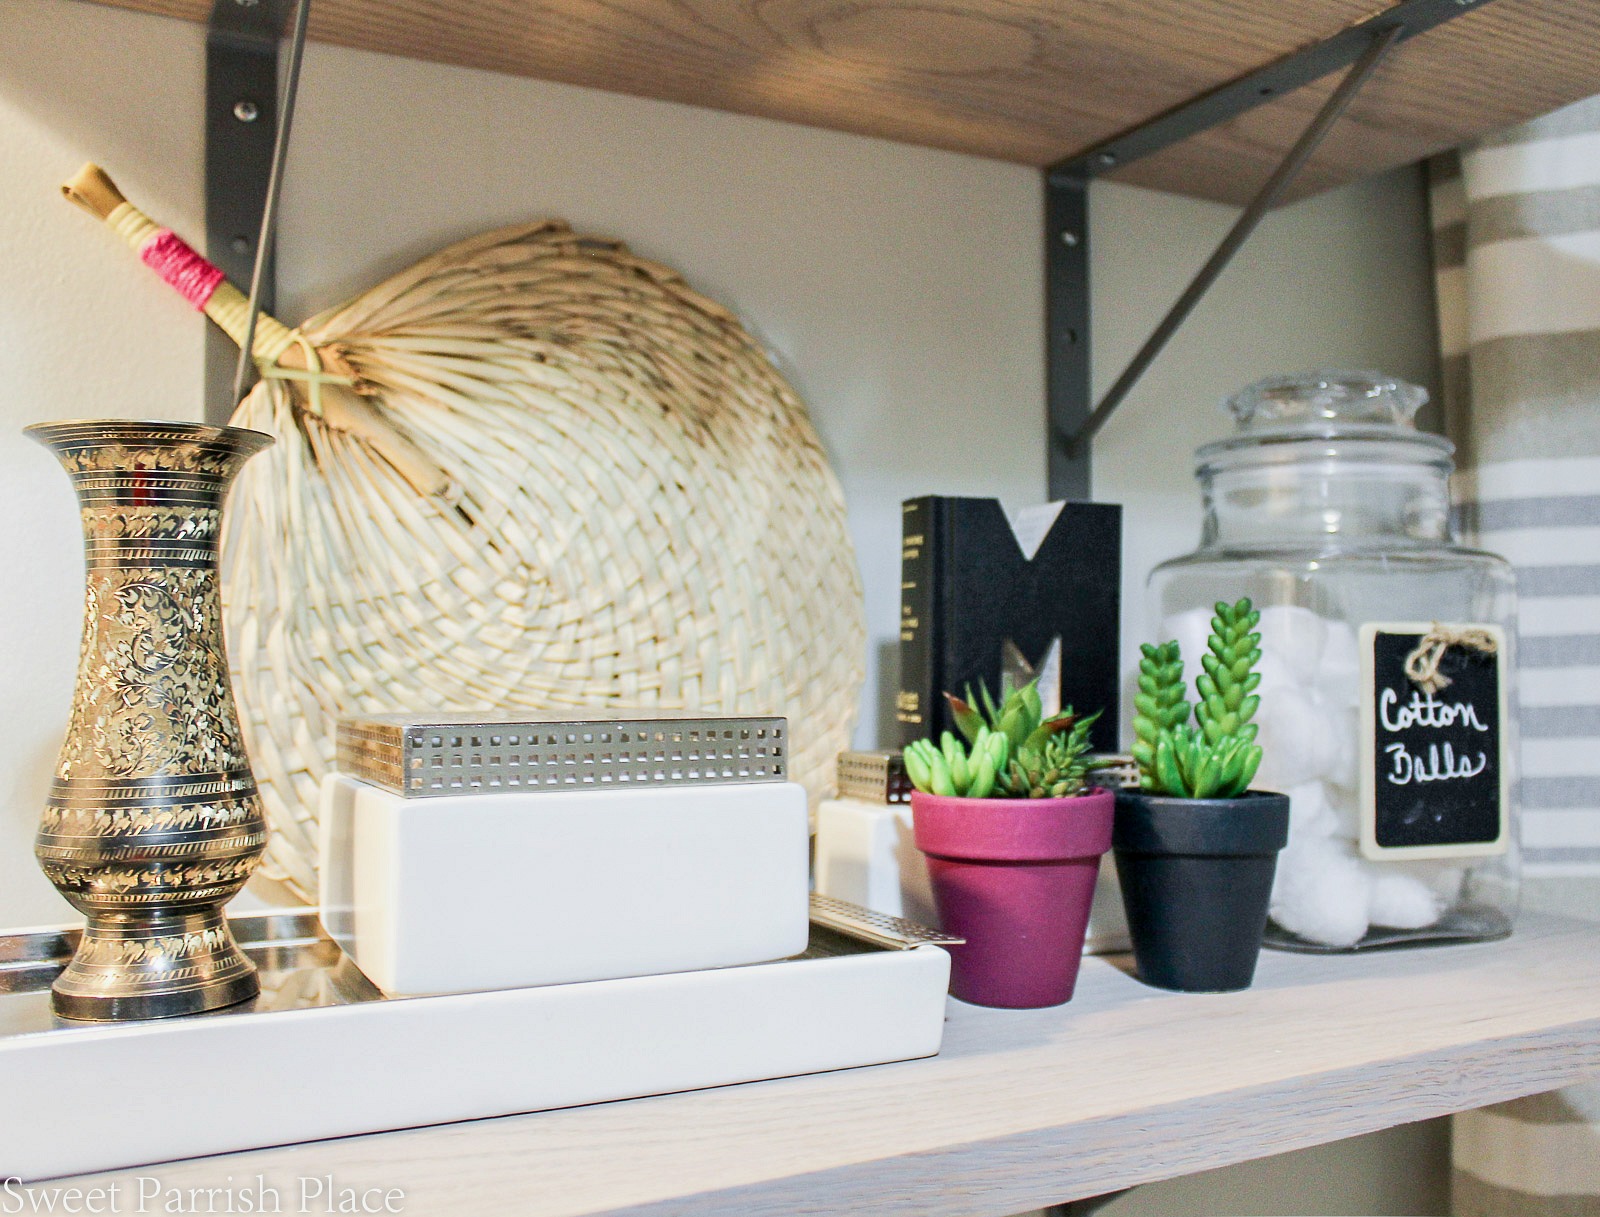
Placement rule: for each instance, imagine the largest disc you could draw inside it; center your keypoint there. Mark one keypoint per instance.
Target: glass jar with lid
(1331, 511)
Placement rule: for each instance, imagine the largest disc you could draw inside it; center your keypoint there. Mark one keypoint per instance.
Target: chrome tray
(301, 968)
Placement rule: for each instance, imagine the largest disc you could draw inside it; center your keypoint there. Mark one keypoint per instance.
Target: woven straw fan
(532, 474)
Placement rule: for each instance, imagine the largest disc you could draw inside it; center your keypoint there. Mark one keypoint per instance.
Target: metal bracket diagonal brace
(241, 125)
(1066, 215)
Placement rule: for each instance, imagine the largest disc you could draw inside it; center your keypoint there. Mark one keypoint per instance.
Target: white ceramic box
(492, 891)
(865, 853)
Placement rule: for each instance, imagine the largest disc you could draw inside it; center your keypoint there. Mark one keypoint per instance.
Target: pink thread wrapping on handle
(175, 260)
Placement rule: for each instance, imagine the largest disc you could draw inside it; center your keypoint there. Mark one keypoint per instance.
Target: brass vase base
(158, 967)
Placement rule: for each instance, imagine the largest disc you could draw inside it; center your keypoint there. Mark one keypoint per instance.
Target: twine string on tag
(1422, 665)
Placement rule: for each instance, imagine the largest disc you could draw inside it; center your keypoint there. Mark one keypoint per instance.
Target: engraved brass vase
(153, 822)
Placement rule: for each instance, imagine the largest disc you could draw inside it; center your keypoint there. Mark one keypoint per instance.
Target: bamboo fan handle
(207, 288)
(196, 280)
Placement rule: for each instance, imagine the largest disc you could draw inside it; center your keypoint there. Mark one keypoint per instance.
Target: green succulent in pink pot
(1012, 750)
(1013, 835)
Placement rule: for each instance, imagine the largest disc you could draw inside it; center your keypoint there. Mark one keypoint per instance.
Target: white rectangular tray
(323, 1054)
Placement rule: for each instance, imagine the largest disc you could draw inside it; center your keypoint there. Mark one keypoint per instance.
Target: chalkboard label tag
(1434, 778)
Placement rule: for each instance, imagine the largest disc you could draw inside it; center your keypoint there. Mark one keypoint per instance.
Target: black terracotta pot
(1196, 879)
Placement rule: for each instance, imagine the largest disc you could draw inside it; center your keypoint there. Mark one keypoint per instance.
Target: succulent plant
(1216, 755)
(1056, 767)
(1012, 749)
(948, 768)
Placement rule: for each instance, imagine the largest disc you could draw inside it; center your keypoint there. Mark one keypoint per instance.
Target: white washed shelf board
(1125, 1085)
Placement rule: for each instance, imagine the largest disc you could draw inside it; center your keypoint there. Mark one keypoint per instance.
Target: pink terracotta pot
(1015, 878)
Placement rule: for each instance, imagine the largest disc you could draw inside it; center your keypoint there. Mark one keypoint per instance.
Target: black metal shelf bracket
(241, 130)
(1066, 229)
(1071, 423)
(244, 364)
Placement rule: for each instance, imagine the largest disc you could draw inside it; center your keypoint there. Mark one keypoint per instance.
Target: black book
(967, 590)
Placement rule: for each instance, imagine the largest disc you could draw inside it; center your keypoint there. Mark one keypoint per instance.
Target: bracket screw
(1069, 238)
(246, 111)
(1107, 158)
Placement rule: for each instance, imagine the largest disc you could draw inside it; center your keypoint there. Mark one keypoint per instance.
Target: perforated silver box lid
(874, 777)
(430, 755)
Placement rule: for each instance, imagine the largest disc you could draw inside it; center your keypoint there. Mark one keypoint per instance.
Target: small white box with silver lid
(470, 855)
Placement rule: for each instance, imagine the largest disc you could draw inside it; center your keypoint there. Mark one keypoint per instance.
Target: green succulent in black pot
(1196, 848)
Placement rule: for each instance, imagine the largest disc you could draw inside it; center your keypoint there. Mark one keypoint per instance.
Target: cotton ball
(1191, 630)
(1277, 671)
(1293, 638)
(1344, 743)
(1442, 876)
(1309, 812)
(1321, 892)
(1400, 901)
(1338, 676)
(1446, 880)
(1346, 808)
(1298, 738)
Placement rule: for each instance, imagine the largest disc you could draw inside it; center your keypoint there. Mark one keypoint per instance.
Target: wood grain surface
(1002, 78)
(1124, 1085)
(1499, 65)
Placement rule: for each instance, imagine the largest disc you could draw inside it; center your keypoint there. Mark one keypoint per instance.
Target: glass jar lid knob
(1327, 401)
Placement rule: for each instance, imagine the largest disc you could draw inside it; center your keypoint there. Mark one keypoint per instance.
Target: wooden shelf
(1125, 1085)
(1026, 83)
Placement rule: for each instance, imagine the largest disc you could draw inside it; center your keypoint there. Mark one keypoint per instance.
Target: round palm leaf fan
(532, 474)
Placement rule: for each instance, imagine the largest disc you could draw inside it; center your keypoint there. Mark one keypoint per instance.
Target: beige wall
(899, 288)
(81, 335)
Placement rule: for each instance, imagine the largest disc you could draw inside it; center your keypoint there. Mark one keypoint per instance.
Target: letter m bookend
(981, 594)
